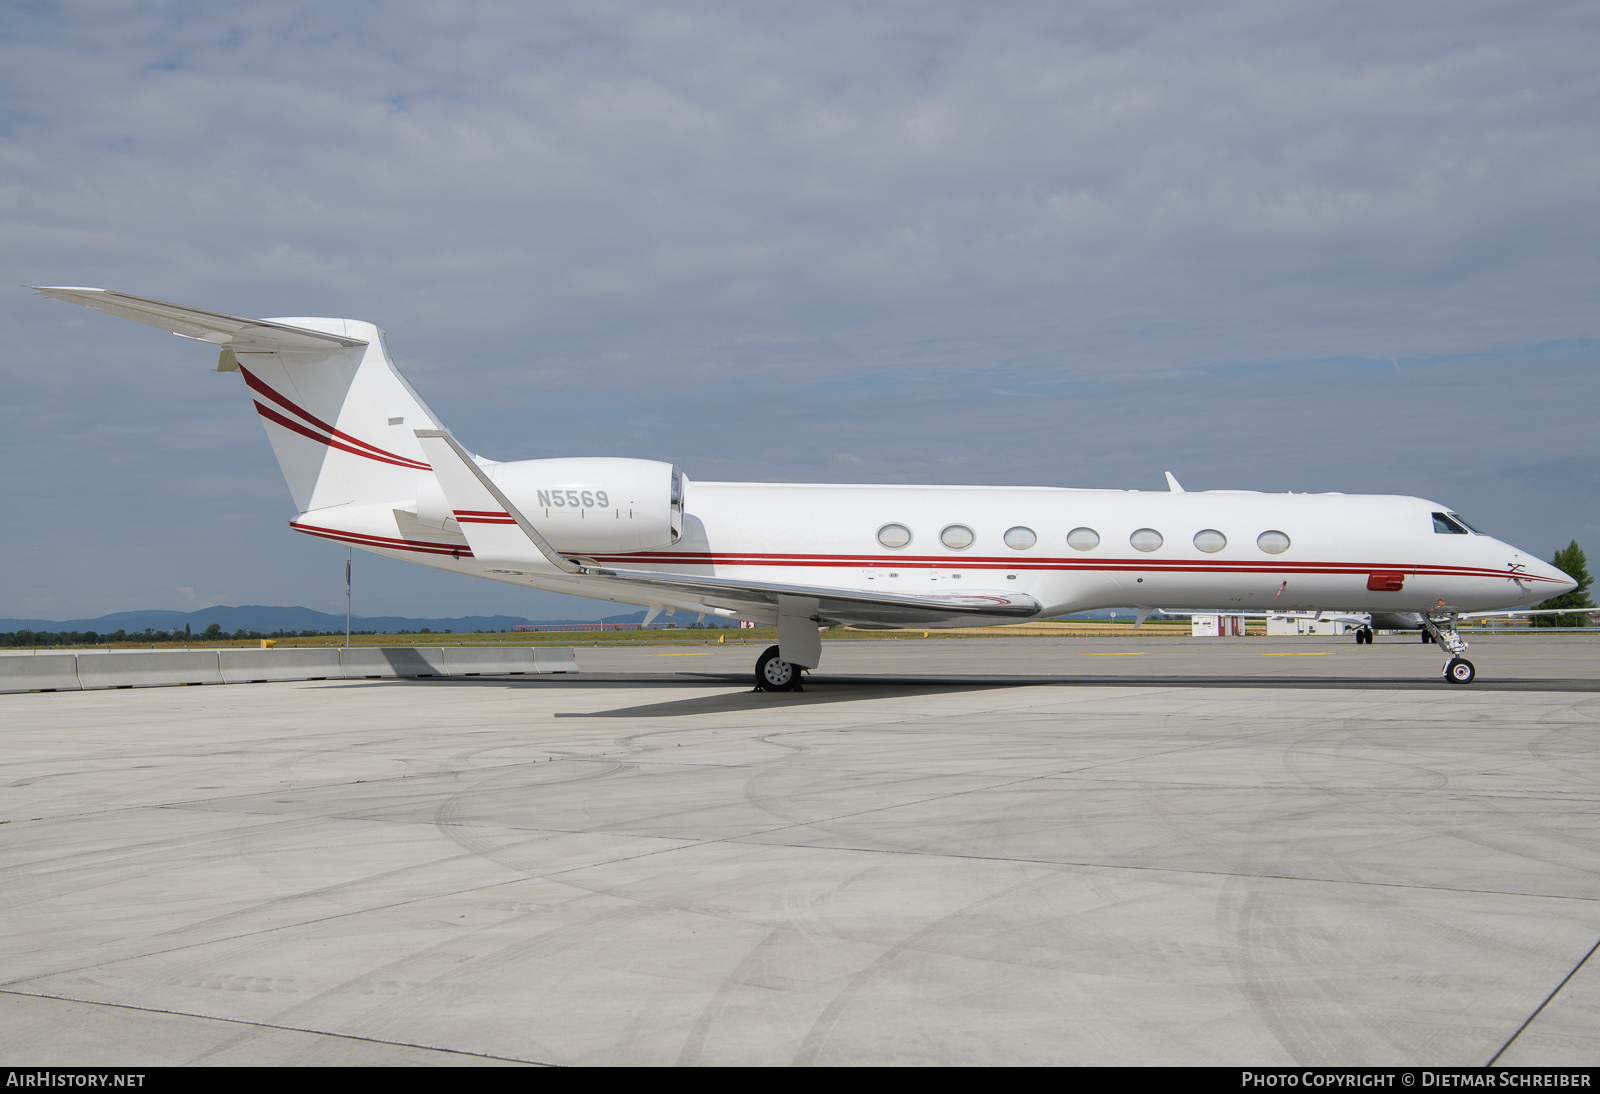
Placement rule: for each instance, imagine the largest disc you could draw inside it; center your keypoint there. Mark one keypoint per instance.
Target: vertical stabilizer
(341, 421)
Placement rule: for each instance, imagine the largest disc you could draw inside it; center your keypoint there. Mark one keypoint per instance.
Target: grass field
(758, 636)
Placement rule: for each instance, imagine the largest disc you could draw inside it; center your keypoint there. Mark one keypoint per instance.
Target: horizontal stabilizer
(205, 326)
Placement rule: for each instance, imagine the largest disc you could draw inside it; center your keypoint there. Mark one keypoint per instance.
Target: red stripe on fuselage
(1199, 566)
(361, 539)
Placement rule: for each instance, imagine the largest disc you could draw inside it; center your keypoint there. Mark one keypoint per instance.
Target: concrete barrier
(488, 660)
(554, 659)
(508, 660)
(21, 672)
(148, 668)
(38, 672)
(307, 663)
(389, 662)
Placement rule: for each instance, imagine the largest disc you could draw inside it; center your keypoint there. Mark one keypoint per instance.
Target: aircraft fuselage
(829, 535)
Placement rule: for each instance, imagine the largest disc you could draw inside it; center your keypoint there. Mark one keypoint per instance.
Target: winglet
(1172, 484)
(485, 515)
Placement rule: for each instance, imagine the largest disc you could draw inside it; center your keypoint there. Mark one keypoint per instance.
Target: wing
(205, 326)
(504, 539)
(758, 599)
(1518, 612)
(1354, 619)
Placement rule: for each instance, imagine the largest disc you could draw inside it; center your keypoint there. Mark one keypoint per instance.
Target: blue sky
(1309, 247)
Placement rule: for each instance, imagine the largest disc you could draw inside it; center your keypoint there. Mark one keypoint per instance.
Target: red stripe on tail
(372, 451)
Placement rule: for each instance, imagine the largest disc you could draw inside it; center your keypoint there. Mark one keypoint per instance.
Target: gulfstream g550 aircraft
(370, 465)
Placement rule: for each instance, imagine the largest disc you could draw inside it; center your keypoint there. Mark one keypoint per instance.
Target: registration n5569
(574, 499)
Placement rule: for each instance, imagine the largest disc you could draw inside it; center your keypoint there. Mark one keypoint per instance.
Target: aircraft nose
(1566, 584)
(1548, 581)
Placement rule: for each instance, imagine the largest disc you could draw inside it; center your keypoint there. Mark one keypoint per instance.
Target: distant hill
(263, 619)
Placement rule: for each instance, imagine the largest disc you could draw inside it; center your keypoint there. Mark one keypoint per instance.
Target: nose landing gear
(1440, 625)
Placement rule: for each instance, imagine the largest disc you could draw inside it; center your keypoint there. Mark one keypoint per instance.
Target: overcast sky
(1264, 246)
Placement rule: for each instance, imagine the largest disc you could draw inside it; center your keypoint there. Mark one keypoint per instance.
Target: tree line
(1570, 561)
(150, 636)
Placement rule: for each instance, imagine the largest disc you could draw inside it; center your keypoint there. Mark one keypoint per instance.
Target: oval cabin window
(1210, 540)
(1020, 539)
(957, 537)
(1274, 543)
(894, 535)
(1145, 539)
(1083, 539)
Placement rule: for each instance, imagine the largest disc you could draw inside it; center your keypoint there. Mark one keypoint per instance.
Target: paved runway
(1068, 851)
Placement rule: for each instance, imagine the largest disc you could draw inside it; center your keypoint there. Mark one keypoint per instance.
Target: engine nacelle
(583, 506)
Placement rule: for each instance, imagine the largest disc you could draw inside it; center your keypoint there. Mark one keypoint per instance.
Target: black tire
(1426, 637)
(775, 674)
(1458, 670)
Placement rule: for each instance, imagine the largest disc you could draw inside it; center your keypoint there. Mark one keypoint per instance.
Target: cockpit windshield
(1445, 526)
(1459, 519)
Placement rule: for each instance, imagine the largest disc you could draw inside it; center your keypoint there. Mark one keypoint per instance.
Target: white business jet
(370, 465)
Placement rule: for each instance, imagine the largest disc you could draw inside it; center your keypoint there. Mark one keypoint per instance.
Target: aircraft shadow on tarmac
(1333, 683)
(828, 689)
(749, 699)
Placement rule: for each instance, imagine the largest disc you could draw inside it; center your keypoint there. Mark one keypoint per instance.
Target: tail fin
(340, 418)
(340, 421)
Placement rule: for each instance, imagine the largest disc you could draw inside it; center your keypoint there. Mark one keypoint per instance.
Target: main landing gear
(1364, 636)
(775, 674)
(1440, 625)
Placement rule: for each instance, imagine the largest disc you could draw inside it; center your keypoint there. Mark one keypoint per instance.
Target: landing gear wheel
(1364, 636)
(1426, 638)
(1458, 670)
(775, 674)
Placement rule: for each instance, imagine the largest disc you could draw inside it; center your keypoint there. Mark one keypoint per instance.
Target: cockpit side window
(1443, 524)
